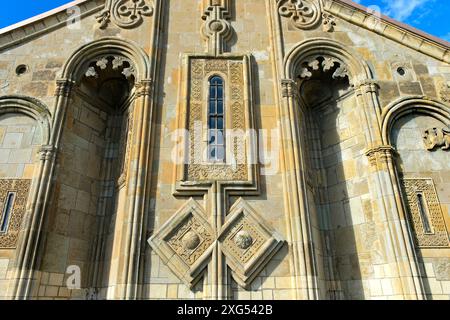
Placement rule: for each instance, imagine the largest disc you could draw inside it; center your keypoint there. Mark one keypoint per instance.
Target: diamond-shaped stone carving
(247, 242)
(184, 242)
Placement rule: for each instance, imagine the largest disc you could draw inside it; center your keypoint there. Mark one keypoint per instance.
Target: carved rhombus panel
(20, 189)
(425, 213)
(184, 242)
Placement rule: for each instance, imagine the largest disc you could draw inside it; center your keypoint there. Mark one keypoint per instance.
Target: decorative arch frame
(358, 67)
(107, 46)
(362, 79)
(29, 107)
(410, 105)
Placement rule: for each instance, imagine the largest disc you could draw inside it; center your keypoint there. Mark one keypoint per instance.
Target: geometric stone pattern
(185, 243)
(439, 235)
(303, 14)
(20, 188)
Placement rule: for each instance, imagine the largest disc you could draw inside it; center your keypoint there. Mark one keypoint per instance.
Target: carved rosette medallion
(20, 188)
(303, 14)
(438, 237)
(200, 70)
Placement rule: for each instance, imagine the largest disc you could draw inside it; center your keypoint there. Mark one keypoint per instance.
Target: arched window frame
(216, 119)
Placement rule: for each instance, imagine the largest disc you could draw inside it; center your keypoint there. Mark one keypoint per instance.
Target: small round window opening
(401, 71)
(21, 69)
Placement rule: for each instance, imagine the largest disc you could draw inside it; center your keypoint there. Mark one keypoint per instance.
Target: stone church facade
(223, 149)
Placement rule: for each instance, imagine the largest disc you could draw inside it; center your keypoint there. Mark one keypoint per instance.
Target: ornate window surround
(194, 94)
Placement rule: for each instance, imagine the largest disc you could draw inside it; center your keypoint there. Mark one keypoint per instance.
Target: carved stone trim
(125, 13)
(21, 189)
(289, 88)
(303, 14)
(425, 187)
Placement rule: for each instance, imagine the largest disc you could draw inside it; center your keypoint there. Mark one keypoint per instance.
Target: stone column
(383, 184)
(298, 220)
(139, 175)
(27, 250)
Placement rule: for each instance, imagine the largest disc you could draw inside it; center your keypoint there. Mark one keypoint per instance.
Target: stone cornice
(46, 22)
(389, 28)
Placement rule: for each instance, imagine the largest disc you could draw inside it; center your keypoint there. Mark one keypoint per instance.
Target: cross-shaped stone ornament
(186, 241)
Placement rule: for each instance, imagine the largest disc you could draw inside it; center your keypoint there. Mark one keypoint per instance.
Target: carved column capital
(289, 88)
(366, 86)
(47, 152)
(64, 87)
(144, 88)
(380, 156)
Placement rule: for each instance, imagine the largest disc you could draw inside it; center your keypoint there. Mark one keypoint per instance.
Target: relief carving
(124, 13)
(303, 14)
(435, 138)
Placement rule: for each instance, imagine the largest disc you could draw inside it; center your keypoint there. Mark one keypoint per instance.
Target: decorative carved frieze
(303, 14)
(125, 13)
(425, 213)
(186, 241)
(19, 188)
(435, 138)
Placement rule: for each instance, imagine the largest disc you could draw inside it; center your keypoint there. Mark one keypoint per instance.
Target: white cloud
(401, 9)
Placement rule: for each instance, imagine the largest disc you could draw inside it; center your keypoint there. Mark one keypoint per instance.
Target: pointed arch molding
(359, 70)
(412, 104)
(73, 69)
(30, 107)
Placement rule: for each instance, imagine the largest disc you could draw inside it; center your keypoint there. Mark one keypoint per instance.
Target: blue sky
(428, 15)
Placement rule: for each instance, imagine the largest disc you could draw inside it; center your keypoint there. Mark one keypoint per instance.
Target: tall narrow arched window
(7, 212)
(216, 126)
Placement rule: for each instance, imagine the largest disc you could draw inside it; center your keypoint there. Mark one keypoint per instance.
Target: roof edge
(390, 28)
(41, 16)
